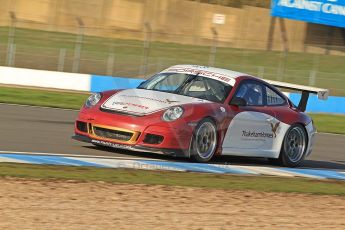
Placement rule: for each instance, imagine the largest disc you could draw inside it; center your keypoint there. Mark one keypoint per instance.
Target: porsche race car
(199, 112)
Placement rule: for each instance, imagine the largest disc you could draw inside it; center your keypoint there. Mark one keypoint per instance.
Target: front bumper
(146, 134)
(170, 152)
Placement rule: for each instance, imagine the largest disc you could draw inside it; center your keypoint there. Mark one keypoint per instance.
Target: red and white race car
(199, 112)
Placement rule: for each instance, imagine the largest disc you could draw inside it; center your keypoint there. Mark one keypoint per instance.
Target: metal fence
(55, 51)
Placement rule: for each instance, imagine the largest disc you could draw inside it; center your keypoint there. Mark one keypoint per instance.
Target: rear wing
(322, 94)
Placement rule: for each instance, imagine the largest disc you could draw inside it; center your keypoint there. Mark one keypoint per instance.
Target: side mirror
(238, 101)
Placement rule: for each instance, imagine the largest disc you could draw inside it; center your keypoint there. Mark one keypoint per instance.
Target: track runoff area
(30, 135)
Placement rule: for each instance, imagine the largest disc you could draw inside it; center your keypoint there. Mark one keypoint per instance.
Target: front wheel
(204, 141)
(294, 146)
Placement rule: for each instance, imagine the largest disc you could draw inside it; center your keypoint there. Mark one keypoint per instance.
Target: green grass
(40, 49)
(329, 123)
(42, 98)
(264, 184)
(324, 122)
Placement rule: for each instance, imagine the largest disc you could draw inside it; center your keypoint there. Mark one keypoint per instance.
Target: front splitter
(136, 148)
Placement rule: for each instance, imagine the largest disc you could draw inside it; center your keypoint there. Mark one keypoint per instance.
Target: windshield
(188, 85)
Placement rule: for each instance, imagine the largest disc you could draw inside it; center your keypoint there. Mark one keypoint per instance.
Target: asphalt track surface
(46, 130)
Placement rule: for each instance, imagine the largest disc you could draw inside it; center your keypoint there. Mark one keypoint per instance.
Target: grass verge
(130, 176)
(324, 122)
(329, 123)
(40, 97)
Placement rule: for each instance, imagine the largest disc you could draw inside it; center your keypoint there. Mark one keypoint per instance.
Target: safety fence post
(313, 72)
(281, 66)
(11, 47)
(110, 64)
(78, 45)
(147, 40)
(62, 56)
(213, 50)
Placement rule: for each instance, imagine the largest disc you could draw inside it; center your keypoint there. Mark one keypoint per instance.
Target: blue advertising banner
(328, 12)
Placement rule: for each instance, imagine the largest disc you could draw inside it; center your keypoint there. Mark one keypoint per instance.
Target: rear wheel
(204, 142)
(294, 146)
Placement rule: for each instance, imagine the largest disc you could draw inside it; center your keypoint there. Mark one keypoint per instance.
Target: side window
(252, 92)
(273, 98)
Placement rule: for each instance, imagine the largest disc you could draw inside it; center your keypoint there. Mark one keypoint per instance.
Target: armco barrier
(95, 83)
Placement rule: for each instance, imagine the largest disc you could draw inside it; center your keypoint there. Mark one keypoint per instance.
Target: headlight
(172, 113)
(93, 100)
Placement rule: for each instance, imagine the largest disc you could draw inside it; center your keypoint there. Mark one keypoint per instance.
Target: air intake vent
(81, 126)
(153, 139)
(112, 134)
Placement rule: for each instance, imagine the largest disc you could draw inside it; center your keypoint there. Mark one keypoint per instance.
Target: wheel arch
(219, 137)
(293, 124)
(305, 130)
(282, 144)
(220, 134)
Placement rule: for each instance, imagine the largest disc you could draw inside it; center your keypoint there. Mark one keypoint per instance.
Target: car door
(251, 130)
(276, 101)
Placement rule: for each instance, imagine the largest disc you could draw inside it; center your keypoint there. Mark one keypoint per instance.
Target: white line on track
(77, 155)
(333, 134)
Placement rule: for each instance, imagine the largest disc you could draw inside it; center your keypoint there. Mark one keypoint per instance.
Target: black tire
(204, 141)
(294, 147)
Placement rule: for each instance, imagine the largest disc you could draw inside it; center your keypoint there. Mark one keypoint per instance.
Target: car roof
(224, 75)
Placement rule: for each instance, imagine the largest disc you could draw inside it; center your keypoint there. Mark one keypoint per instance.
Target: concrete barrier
(45, 79)
(96, 83)
(102, 83)
(331, 105)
